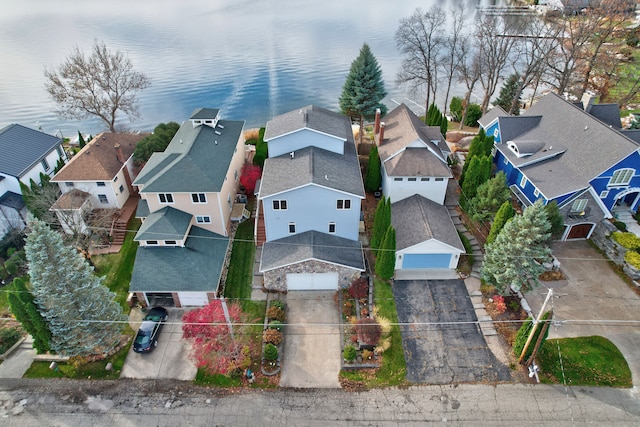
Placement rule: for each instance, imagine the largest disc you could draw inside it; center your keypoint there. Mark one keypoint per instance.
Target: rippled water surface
(253, 59)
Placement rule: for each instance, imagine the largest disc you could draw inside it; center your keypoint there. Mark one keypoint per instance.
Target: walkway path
(19, 361)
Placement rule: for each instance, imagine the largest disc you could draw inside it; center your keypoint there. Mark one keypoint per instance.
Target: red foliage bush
(499, 304)
(248, 177)
(359, 288)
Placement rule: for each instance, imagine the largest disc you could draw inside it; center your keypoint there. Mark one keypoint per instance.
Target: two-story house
(187, 194)
(572, 153)
(98, 177)
(24, 154)
(309, 202)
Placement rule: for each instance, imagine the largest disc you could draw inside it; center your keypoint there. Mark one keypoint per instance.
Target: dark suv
(147, 336)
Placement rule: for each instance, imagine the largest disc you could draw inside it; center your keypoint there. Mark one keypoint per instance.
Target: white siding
(429, 247)
(399, 190)
(304, 138)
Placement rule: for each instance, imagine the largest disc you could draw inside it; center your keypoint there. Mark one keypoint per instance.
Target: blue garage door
(426, 261)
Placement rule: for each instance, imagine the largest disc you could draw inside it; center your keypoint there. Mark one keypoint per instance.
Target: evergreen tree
(490, 196)
(455, 108)
(478, 172)
(373, 178)
(504, 214)
(510, 260)
(156, 142)
(477, 147)
(363, 89)
(26, 311)
(83, 315)
(381, 222)
(81, 141)
(508, 94)
(386, 259)
(555, 218)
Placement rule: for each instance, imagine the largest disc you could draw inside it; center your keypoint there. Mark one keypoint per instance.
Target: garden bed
(273, 337)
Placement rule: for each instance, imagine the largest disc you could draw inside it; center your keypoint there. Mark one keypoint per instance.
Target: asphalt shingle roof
(312, 245)
(310, 117)
(418, 219)
(73, 199)
(12, 200)
(196, 160)
(165, 224)
(97, 161)
(21, 148)
(195, 268)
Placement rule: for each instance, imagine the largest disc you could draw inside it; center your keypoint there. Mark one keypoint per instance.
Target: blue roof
(21, 148)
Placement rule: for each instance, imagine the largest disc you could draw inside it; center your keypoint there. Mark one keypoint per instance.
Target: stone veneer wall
(601, 236)
(276, 279)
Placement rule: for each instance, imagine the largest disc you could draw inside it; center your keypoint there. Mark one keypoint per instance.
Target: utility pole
(223, 302)
(535, 326)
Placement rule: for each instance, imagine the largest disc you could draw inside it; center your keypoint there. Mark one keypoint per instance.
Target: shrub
(277, 303)
(359, 288)
(8, 337)
(514, 305)
(369, 331)
(620, 225)
(275, 313)
(628, 240)
(523, 334)
(270, 352)
(474, 112)
(11, 267)
(498, 302)
(275, 324)
(349, 353)
(367, 354)
(633, 258)
(272, 336)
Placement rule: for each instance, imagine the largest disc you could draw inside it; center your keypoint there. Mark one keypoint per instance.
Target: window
(152, 242)
(279, 205)
(425, 179)
(103, 198)
(332, 227)
(198, 198)
(121, 189)
(496, 132)
(292, 227)
(411, 179)
(621, 177)
(604, 194)
(523, 181)
(579, 205)
(69, 184)
(44, 164)
(203, 219)
(439, 179)
(229, 200)
(100, 183)
(536, 192)
(115, 179)
(59, 151)
(170, 242)
(165, 198)
(235, 175)
(397, 179)
(505, 161)
(343, 204)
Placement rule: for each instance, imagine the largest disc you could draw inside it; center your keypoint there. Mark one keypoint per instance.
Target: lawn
(586, 361)
(393, 370)
(240, 274)
(117, 268)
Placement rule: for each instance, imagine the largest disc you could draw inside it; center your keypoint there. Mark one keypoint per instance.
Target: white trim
(453, 248)
(309, 129)
(310, 184)
(308, 259)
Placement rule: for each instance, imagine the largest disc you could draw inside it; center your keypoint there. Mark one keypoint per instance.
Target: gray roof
(633, 134)
(312, 245)
(196, 160)
(578, 147)
(204, 113)
(195, 268)
(609, 114)
(165, 224)
(21, 148)
(309, 117)
(593, 211)
(12, 200)
(418, 219)
(417, 162)
(491, 115)
(142, 211)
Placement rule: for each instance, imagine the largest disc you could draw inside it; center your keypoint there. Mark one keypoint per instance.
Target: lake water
(253, 59)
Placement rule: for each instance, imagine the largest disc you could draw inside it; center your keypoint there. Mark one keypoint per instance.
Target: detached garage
(426, 238)
(311, 261)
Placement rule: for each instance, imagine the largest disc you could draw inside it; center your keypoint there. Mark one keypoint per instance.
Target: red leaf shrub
(369, 331)
(500, 305)
(359, 288)
(248, 177)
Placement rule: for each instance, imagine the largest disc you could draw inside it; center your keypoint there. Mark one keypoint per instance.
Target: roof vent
(326, 177)
(217, 132)
(292, 154)
(215, 142)
(586, 127)
(220, 126)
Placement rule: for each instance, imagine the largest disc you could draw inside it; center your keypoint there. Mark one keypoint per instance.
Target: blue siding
(491, 131)
(426, 261)
(600, 183)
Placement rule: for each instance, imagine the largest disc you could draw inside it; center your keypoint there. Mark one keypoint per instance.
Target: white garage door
(196, 299)
(312, 281)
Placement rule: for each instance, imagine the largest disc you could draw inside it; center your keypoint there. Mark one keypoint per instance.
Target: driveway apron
(441, 340)
(311, 356)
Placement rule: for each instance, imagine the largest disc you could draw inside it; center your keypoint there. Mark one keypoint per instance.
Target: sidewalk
(19, 361)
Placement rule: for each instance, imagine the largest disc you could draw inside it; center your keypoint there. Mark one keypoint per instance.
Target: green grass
(240, 274)
(393, 370)
(586, 361)
(117, 268)
(92, 370)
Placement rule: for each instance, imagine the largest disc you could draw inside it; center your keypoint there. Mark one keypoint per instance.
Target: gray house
(309, 198)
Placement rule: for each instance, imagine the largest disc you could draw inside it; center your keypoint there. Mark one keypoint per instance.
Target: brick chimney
(376, 124)
(119, 153)
(381, 134)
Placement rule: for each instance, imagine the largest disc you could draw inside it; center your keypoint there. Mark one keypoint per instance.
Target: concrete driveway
(592, 301)
(312, 341)
(442, 343)
(170, 360)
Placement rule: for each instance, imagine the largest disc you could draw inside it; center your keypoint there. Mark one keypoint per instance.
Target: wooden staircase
(261, 231)
(118, 231)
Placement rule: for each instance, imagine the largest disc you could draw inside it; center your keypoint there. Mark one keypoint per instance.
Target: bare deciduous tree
(451, 57)
(101, 85)
(468, 72)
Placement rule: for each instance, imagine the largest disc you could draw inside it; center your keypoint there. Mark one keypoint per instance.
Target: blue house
(573, 153)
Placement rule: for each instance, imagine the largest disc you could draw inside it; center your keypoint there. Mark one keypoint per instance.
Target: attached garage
(579, 231)
(312, 281)
(426, 261)
(193, 299)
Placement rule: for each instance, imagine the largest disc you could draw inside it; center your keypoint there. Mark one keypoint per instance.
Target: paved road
(438, 349)
(139, 402)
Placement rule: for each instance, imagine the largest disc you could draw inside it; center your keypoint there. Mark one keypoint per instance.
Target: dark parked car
(147, 336)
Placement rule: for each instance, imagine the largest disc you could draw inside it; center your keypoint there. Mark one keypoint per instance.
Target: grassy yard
(393, 370)
(587, 361)
(117, 268)
(239, 276)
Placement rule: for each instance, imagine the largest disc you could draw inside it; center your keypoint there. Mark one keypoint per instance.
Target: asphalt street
(162, 403)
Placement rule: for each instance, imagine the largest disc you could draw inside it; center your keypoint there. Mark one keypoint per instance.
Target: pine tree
(478, 172)
(381, 221)
(386, 259)
(373, 178)
(490, 196)
(83, 315)
(555, 218)
(477, 147)
(510, 260)
(363, 89)
(81, 141)
(24, 308)
(508, 93)
(504, 214)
